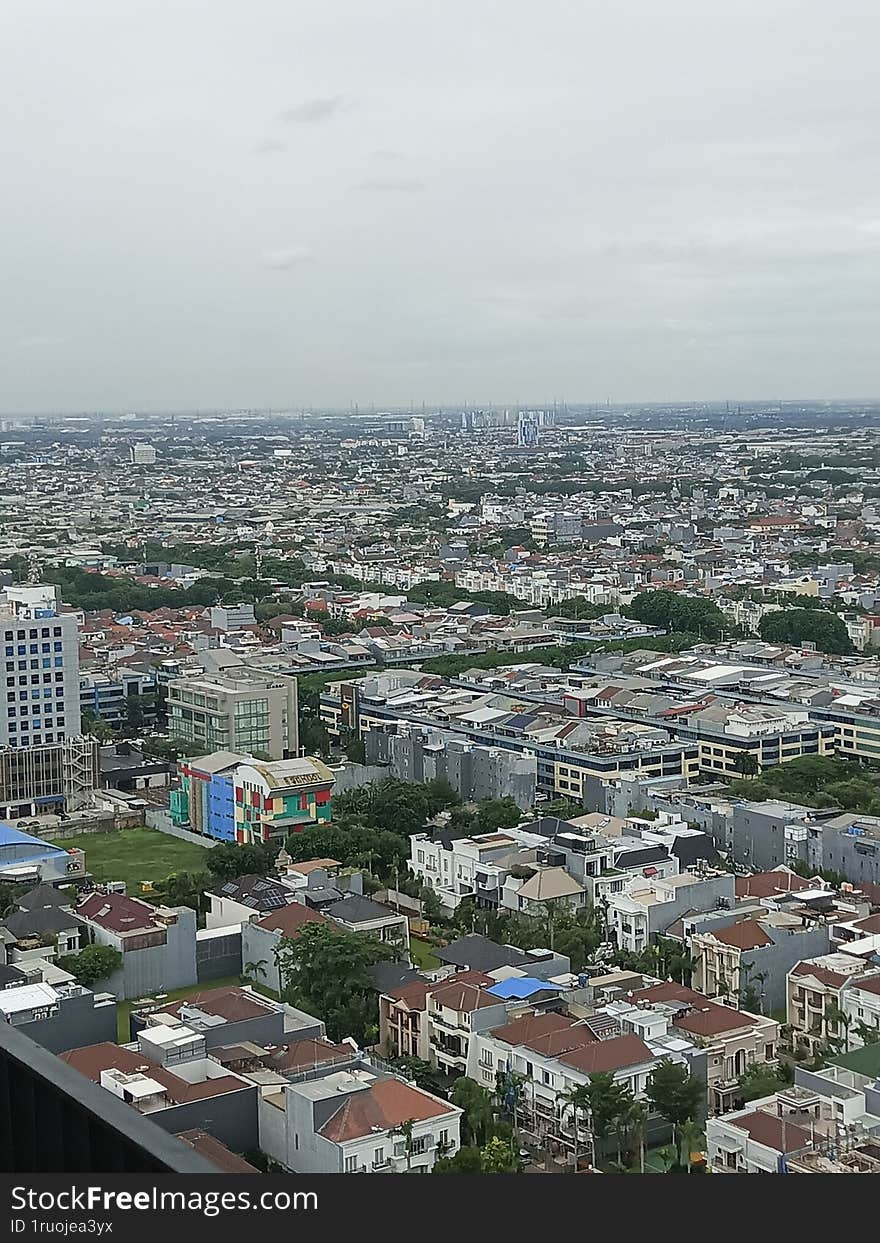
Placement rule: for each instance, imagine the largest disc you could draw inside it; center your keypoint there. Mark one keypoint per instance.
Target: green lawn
(136, 855)
(423, 954)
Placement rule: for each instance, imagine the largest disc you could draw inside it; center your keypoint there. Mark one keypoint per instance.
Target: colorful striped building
(235, 798)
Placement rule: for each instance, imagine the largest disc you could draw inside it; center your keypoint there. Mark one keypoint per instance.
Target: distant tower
(527, 431)
(143, 454)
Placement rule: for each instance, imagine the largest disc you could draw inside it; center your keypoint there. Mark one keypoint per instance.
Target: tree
(228, 860)
(478, 1116)
(837, 1019)
(420, 1072)
(499, 1157)
(796, 626)
(674, 1093)
(762, 1079)
(866, 1033)
(325, 970)
(255, 971)
(9, 895)
(608, 1100)
(634, 1119)
(690, 1135)
(577, 1098)
(468, 1160)
(746, 764)
(91, 964)
(674, 611)
(185, 889)
(356, 750)
(497, 813)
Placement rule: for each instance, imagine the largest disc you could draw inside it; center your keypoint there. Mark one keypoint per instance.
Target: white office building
(41, 668)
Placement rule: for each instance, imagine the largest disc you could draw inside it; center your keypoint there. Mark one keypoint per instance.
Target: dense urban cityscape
(459, 789)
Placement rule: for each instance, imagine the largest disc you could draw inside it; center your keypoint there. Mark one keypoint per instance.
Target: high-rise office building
(143, 454)
(237, 710)
(40, 666)
(45, 765)
(527, 431)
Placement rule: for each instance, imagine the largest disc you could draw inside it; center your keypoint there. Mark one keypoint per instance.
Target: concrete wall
(218, 957)
(702, 895)
(158, 818)
(231, 1117)
(258, 945)
(858, 858)
(778, 959)
(351, 776)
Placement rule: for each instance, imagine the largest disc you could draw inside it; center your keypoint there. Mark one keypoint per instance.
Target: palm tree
(478, 1112)
(836, 1017)
(578, 1098)
(690, 1134)
(255, 970)
(406, 1130)
(634, 1119)
(867, 1034)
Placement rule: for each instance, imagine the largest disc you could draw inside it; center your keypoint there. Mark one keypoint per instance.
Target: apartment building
(237, 710)
(232, 616)
(107, 695)
(416, 753)
(569, 753)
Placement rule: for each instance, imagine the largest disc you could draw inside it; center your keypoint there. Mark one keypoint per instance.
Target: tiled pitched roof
(381, 1107)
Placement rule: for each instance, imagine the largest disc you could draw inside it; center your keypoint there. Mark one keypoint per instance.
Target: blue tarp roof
(518, 987)
(10, 836)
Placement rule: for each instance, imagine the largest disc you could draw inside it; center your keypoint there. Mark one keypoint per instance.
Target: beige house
(814, 990)
(548, 884)
(734, 1041)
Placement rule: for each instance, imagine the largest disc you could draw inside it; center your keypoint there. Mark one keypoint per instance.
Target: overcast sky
(282, 203)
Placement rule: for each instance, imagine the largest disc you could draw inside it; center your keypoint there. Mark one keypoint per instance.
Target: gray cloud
(312, 111)
(332, 202)
(392, 185)
(286, 257)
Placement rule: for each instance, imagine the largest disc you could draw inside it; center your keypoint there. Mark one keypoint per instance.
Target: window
(351, 1165)
(379, 1156)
